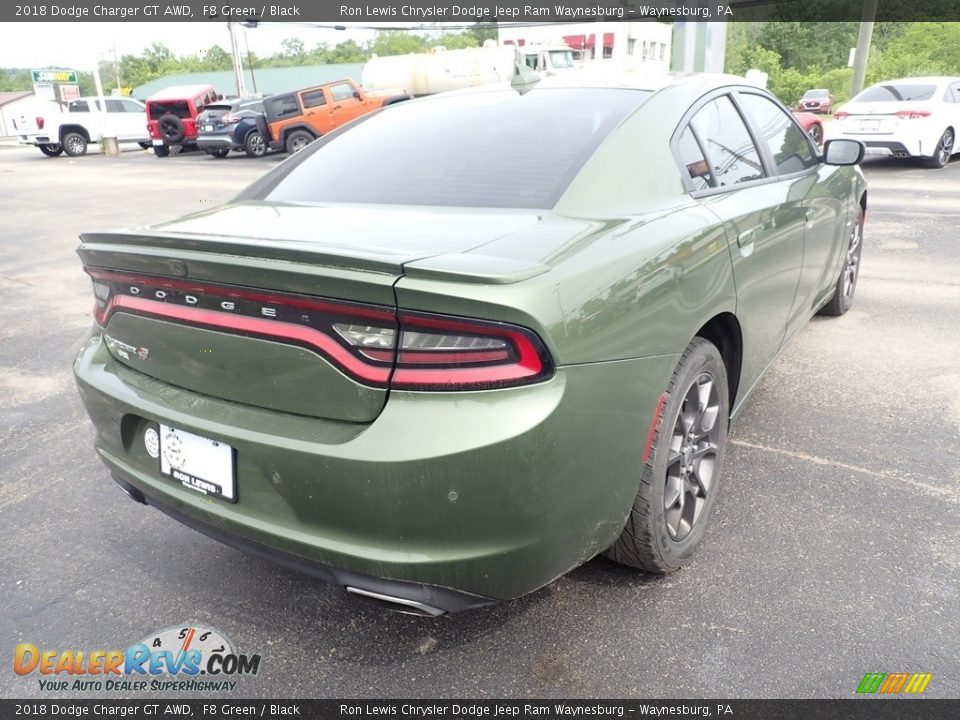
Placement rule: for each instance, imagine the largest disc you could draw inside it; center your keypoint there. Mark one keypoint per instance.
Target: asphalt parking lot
(835, 549)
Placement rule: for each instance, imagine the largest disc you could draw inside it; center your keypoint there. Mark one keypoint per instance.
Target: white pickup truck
(84, 122)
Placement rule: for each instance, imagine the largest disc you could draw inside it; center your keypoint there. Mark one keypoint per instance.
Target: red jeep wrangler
(172, 116)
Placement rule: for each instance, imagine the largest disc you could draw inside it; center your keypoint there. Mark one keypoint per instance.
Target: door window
(727, 143)
(788, 144)
(341, 92)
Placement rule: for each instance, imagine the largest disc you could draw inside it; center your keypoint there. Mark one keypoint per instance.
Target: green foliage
(800, 56)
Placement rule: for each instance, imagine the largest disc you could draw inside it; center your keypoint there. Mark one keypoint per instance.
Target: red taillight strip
(298, 334)
(229, 291)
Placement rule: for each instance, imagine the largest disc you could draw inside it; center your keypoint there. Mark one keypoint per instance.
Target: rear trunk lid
(252, 302)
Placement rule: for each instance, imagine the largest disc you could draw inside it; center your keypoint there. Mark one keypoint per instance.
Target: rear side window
(727, 143)
(78, 106)
(490, 149)
(282, 106)
(896, 92)
(788, 144)
(695, 165)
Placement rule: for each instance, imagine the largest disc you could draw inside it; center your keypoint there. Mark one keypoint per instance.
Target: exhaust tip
(401, 605)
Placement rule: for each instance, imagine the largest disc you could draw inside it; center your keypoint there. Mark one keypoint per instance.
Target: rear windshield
(217, 110)
(180, 108)
(491, 149)
(896, 92)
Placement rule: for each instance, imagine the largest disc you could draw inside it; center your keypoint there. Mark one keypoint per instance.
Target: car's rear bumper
(213, 141)
(37, 140)
(492, 494)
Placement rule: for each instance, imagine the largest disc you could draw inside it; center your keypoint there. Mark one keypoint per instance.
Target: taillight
(374, 345)
(840, 115)
(912, 114)
(437, 352)
(40, 122)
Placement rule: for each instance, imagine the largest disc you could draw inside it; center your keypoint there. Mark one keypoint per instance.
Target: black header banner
(216, 708)
(405, 12)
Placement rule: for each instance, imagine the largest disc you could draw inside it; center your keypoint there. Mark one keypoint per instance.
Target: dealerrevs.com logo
(188, 658)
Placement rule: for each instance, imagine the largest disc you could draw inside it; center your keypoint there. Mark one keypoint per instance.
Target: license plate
(198, 463)
(158, 142)
(208, 128)
(869, 124)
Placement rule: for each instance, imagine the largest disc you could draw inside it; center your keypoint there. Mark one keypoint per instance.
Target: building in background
(632, 45)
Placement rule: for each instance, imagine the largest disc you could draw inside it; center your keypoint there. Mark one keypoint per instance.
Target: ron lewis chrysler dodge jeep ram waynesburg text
(463, 344)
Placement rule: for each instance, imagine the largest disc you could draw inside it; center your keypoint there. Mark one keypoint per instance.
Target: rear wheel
(941, 156)
(680, 480)
(161, 150)
(254, 145)
(842, 299)
(51, 149)
(74, 143)
(298, 140)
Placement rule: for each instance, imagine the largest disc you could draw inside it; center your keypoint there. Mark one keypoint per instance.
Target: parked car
(811, 125)
(449, 353)
(294, 120)
(911, 117)
(172, 116)
(232, 125)
(816, 101)
(86, 120)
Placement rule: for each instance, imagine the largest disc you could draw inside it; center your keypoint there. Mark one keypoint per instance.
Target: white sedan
(912, 117)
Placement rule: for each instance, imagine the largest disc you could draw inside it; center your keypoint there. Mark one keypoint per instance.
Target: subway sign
(68, 77)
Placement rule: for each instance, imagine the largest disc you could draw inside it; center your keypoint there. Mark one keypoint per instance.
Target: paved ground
(834, 550)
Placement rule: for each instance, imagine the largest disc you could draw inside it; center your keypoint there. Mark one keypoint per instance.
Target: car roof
(937, 79)
(180, 92)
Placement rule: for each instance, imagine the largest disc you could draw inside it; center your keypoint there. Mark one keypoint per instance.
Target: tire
(846, 286)
(297, 141)
(941, 156)
(660, 534)
(144, 145)
(51, 149)
(816, 134)
(170, 128)
(254, 145)
(218, 153)
(161, 150)
(74, 143)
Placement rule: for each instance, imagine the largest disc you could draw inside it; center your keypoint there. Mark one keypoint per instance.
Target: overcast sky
(77, 46)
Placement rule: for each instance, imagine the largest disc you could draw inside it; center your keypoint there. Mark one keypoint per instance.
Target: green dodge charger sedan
(454, 350)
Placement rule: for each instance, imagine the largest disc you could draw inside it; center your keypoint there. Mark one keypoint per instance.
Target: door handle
(337, 107)
(745, 241)
(809, 214)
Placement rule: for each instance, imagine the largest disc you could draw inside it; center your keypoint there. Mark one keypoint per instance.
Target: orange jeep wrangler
(294, 120)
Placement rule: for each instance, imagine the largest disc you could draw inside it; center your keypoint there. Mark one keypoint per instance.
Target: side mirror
(357, 95)
(843, 152)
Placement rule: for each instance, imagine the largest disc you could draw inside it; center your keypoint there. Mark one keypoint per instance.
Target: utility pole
(237, 61)
(863, 46)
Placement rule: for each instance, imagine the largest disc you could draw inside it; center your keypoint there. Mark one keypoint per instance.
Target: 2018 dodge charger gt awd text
(442, 372)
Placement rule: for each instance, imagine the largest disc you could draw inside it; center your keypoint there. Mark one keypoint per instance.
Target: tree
(397, 42)
(217, 58)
